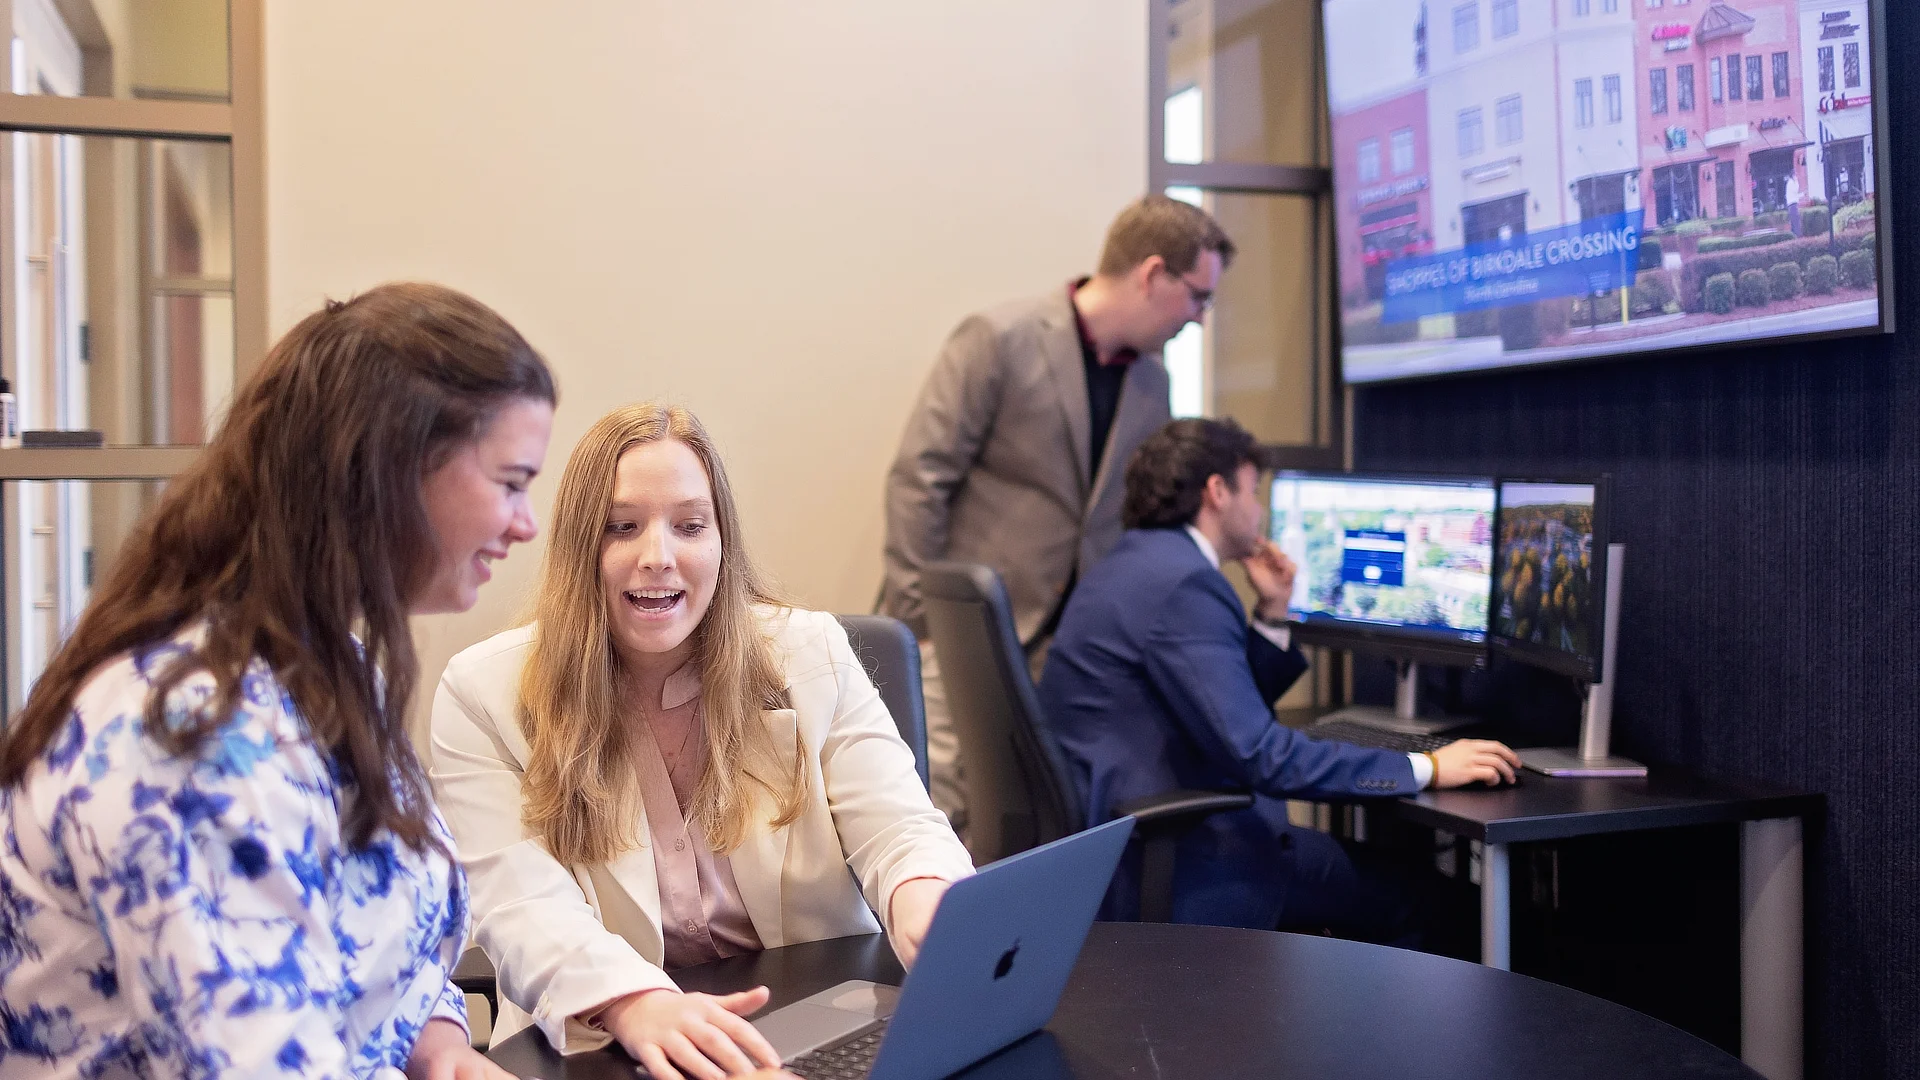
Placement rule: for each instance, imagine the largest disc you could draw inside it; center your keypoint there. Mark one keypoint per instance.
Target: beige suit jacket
(565, 939)
(993, 467)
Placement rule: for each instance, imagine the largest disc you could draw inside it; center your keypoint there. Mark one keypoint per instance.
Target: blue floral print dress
(203, 917)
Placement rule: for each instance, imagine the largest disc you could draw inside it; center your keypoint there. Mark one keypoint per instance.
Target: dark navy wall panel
(1770, 501)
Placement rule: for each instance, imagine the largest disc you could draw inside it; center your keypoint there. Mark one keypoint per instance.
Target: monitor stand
(1404, 716)
(1591, 757)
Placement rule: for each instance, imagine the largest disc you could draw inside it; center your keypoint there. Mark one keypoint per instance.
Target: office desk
(1772, 873)
(1207, 1003)
(1772, 870)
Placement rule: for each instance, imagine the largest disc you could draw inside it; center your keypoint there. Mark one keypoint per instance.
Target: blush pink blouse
(702, 917)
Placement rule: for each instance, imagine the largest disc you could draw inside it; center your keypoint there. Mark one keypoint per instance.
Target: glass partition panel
(1265, 341)
(123, 286)
(1241, 83)
(61, 539)
(173, 50)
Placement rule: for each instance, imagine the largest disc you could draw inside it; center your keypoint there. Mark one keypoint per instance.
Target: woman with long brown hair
(221, 856)
(669, 766)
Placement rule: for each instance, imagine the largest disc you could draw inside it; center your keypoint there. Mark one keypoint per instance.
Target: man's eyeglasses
(1202, 298)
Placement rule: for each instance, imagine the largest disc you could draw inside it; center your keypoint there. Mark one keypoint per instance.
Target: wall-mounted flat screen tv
(1523, 182)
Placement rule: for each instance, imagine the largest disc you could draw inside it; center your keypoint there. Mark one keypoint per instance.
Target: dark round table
(1206, 1003)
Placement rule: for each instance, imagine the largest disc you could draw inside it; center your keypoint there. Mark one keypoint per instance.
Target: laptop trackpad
(826, 1017)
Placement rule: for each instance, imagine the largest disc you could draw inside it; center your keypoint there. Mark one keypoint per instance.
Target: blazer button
(679, 845)
(692, 927)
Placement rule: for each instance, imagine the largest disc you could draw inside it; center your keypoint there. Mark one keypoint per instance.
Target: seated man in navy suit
(1156, 681)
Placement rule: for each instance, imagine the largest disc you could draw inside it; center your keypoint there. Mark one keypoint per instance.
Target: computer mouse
(1482, 785)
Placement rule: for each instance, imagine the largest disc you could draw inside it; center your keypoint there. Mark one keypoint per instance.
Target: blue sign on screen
(1595, 256)
(1374, 557)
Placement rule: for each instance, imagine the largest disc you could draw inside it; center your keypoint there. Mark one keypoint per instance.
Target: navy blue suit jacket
(1155, 681)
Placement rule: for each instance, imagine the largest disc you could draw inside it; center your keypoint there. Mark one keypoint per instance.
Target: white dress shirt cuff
(1422, 770)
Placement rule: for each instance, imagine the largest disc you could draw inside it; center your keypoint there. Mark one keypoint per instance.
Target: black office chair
(474, 975)
(1019, 792)
(891, 655)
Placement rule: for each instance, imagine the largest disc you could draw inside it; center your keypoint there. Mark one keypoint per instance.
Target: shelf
(119, 117)
(96, 462)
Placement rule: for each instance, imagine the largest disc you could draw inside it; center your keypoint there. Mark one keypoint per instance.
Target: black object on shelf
(80, 437)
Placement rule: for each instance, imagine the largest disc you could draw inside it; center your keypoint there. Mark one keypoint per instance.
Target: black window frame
(1306, 183)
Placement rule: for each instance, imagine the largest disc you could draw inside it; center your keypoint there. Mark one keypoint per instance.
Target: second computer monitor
(1394, 564)
(1550, 574)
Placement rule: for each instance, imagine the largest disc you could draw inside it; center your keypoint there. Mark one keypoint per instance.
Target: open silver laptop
(990, 971)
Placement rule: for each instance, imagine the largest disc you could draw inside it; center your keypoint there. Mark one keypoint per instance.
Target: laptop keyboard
(1348, 731)
(850, 1060)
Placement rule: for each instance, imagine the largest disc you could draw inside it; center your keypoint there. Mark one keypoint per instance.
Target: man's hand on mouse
(1467, 761)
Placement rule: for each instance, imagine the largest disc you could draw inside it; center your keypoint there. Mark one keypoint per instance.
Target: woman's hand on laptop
(696, 1036)
(914, 902)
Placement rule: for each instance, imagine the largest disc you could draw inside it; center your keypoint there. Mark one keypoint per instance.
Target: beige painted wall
(769, 212)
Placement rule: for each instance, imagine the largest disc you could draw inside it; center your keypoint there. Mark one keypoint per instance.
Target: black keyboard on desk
(1350, 731)
(850, 1060)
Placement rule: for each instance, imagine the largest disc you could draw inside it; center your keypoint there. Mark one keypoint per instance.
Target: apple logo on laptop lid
(1006, 961)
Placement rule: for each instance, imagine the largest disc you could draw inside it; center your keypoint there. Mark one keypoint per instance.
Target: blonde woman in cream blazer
(569, 938)
(565, 939)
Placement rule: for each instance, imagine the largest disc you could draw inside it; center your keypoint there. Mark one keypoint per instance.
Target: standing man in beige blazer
(1015, 452)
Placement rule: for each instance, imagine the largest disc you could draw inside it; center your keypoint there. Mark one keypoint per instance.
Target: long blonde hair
(582, 789)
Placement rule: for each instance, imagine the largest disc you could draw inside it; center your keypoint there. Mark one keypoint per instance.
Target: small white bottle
(9, 417)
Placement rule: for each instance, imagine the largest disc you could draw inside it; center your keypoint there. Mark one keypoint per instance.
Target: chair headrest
(964, 582)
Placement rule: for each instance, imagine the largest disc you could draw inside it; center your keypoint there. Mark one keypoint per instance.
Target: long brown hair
(301, 523)
(581, 793)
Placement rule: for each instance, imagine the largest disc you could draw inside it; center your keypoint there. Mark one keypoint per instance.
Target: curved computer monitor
(1393, 564)
(1550, 573)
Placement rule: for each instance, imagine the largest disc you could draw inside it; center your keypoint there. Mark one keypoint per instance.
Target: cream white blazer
(565, 939)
